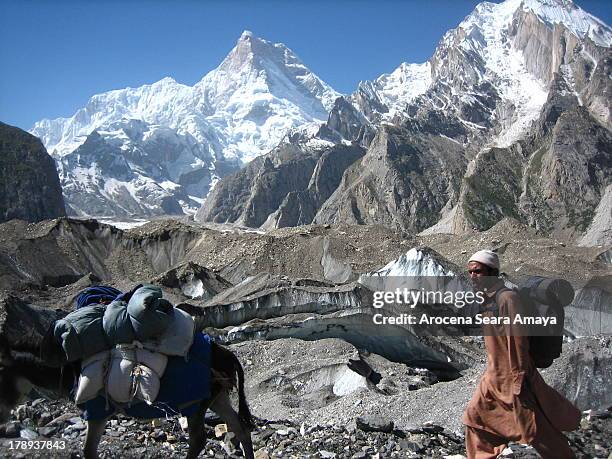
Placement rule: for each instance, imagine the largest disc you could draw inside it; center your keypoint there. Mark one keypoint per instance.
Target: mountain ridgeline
(510, 117)
(158, 149)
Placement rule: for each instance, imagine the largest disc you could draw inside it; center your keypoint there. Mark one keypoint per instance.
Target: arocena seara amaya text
(478, 319)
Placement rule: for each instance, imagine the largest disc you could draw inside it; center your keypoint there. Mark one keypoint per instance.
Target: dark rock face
(371, 423)
(554, 180)
(253, 193)
(490, 193)
(574, 172)
(284, 188)
(105, 177)
(403, 181)
(598, 92)
(229, 197)
(346, 122)
(29, 185)
(300, 207)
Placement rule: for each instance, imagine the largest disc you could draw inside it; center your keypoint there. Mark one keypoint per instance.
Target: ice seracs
(420, 268)
(416, 262)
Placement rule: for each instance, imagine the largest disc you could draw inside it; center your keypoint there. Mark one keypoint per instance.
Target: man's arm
(518, 342)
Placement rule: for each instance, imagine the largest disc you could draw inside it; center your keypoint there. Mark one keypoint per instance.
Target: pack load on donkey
(124, 346)
(199, 374)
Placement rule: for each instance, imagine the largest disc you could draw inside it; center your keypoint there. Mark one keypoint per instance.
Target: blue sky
(57, 54)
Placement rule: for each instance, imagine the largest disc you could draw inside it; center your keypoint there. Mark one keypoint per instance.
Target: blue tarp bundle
(185, 382)
(98, 294)
(147, 318)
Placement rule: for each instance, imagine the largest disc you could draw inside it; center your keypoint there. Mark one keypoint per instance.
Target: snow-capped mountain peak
(481, 49)
(262, 64)
(393, 91)
(260, 91)
(550, 12)
(506, 43)
(567, 13)
(152, 103)
(238, 111)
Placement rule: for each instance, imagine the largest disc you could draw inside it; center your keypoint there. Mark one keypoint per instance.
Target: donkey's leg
(223, 407)
(197, 437)
(95, 429)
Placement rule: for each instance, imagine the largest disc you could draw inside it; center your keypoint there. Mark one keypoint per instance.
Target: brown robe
(511, 387)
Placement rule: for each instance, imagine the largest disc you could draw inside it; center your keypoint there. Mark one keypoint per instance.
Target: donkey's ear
(51, 351)
(5, 353)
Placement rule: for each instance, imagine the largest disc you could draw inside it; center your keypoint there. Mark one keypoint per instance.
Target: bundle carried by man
(124, 346)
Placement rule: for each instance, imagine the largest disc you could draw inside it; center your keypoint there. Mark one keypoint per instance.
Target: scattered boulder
(374, 423)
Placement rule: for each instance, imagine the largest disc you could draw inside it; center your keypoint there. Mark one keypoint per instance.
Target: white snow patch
(168, 185)
(403, 85)
(414, 263)
(452, 140)
(196, 199)
(193, 288)
(124, 225)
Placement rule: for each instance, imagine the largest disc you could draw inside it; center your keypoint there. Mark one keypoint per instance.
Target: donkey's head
(13, 385)
(22, 371)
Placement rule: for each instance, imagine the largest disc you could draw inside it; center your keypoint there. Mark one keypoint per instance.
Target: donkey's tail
(225, 362)
(244, 413)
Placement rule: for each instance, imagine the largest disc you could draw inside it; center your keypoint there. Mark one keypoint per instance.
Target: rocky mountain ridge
(485, 134)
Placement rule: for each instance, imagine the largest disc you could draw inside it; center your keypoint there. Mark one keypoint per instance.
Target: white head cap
(486, 257)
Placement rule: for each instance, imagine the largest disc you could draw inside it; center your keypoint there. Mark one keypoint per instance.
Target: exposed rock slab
(600, 230)
(403, 182)
(583, 373)
(29, 183)
(193, 281)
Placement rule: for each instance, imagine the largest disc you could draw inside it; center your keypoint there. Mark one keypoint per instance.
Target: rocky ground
(310, 381)
(307, 393)
(58, 422)
(336, 253)
(523, 251)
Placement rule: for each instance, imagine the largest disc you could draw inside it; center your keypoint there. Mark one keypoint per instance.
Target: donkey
(22, 368)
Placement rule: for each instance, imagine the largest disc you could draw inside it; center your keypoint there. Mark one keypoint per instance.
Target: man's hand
(527, 397)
